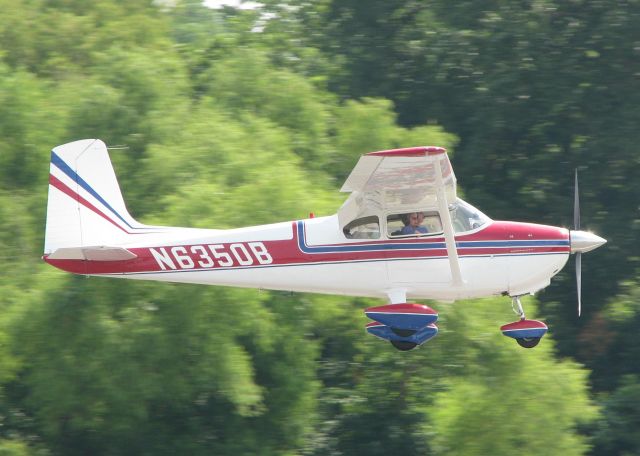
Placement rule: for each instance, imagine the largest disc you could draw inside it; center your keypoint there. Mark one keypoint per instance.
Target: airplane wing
(398, 180)
(401, 169)
(403, 180)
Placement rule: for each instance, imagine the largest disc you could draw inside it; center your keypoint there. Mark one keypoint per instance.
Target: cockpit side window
(465, 217)
(413, 224)
(363, 228)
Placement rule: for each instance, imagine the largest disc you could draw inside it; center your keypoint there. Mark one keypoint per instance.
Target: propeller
(576, 227)
(581, 241)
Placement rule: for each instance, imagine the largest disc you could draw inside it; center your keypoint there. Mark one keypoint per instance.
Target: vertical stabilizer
(85, 205)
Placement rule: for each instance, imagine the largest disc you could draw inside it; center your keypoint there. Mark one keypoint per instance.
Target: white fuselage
(314, 256)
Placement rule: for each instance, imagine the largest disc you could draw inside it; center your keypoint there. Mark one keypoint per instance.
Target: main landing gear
(409, 325)
(526, 332)
(405, 325)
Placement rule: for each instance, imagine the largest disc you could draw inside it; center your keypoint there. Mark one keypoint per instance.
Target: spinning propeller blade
(576, 204)
(576, 226)
(579, 280)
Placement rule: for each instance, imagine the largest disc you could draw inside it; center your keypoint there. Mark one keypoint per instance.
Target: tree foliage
(231, 117)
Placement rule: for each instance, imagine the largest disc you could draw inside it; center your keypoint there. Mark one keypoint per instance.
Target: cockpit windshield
(465, 217)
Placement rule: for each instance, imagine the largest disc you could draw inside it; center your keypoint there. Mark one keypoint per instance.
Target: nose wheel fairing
(524, 329)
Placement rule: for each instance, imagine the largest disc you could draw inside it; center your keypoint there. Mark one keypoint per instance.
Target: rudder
(85, 205)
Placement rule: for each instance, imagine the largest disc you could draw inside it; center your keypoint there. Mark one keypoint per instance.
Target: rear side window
(363, 228)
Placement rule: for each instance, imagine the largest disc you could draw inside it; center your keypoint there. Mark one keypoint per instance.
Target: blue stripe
(62, 166)
(362, 248)
(521, 243)
(420, 246)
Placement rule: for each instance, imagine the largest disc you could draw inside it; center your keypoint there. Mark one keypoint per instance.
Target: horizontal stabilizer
(97, 253)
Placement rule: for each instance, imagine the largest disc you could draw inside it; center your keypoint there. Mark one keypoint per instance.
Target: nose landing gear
(528, 342)
(516, 306)
(527, 333)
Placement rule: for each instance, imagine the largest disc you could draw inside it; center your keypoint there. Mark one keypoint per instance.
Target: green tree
(228, 121)
(617, 433)
(111, 365)
(470, 390)
(28, 121)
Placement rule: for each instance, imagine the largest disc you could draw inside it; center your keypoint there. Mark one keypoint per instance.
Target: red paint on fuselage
(492, 240)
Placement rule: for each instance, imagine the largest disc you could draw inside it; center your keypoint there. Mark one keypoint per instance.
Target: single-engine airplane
(402, 233)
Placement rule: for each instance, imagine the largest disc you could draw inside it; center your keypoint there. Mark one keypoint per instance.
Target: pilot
(413, 223)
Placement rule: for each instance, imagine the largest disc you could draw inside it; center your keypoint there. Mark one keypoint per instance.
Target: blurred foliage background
(231, 117)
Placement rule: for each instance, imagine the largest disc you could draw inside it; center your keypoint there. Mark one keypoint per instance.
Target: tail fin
(85, 206)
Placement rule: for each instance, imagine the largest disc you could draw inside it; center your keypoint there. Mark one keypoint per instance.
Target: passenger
(413, 223)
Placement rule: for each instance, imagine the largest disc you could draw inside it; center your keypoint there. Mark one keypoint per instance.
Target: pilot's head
(414, 218)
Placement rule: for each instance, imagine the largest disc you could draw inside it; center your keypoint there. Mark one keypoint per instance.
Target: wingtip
(422, 151)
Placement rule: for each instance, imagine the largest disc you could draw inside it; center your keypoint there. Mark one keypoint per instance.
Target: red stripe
(57, 183)
(523, 325)
(283, 255)
(373, 324)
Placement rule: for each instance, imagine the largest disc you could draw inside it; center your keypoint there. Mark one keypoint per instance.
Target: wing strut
(447, 226)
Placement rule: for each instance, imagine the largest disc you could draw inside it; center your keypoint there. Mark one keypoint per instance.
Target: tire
(528, 342)
(403, 332)
(403, 345)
